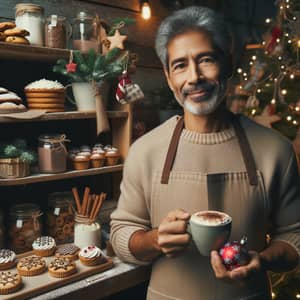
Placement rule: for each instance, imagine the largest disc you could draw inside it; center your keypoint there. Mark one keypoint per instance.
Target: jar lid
(83, 16)
(25, 210)
(56, 17)
(21, 8)
(53, 138)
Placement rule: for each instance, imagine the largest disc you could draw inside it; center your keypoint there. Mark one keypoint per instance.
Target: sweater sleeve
(132, 213)
(286, 216)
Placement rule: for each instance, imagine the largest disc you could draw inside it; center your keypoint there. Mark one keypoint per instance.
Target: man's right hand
(172, 235)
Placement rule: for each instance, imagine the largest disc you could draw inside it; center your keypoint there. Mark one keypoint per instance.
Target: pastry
(17, 40)
(81, 162)
(7, 259)
(62, 267)
(91, 256)
(112, 155)
(31, 265)
(10, 107)
(69, 251)
(6, 25)
(97, 160)
(44, 246)
(16, 32)
(10, 96)
(9, 282)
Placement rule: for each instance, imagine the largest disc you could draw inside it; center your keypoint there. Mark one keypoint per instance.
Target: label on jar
(56, 211)
(53, 20)
(19, 224)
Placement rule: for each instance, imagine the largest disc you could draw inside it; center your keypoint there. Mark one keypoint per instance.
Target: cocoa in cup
(210, 230)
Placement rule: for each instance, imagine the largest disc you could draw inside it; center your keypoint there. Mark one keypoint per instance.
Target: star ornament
(71, 67)
(267, 118)
(117, 40)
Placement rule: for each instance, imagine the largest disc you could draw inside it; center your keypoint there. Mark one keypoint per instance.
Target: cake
(91, 256)
(97, 159)
(61, 267)
(45, 94)
(112, 155)
(69, 251)
(10, 282)
(44, 246)
(81, 162)
(7, 259)
(31, 265)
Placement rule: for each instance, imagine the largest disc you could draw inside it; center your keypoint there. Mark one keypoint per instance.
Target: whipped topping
(90, 252)
(43, 243)
(96, 156)
(6, 256)
(44, 84)
(9, 95)
(98, 151)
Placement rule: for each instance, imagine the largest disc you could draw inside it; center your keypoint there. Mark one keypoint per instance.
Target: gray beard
(208, 106)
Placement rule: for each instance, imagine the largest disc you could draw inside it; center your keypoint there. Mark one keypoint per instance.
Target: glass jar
(60, 217)
(52, 153)
(25, 225)
(2, 230)
(31, 18)
(85, 33)
(86, 232)
(57, 32)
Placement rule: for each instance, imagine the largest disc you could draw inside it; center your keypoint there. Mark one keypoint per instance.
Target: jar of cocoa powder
(25, 225)
(57, 32)
(52, 153)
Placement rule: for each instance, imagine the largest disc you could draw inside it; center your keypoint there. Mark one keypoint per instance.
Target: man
(209, 159)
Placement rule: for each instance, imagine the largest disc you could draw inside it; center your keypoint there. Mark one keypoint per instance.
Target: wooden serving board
(35, 285)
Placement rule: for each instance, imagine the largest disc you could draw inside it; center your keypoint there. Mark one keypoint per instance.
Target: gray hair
(193, 17)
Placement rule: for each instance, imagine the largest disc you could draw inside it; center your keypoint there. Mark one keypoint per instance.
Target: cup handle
(69, 98)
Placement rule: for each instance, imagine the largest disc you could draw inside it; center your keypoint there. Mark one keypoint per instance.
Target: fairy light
(254, 57)
(259, 90)
(244, 74)
(273, 295)
(251, 63)
(282, 67)
(239, 70)
(292, 76)
(286, 34)
(281, 7)
(253, 112)
(294, 18)
(268, 20)
(297, 108)
(298, 43)
(287, 6)
(289, 41)
(289, 118)
(263, 43)
(297, 296)
(284, 92)
(245, 78)
(273, 101)
(279, 57)
(278, 40)
(296, 123)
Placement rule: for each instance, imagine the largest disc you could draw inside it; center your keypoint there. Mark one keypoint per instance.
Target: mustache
(204, 85)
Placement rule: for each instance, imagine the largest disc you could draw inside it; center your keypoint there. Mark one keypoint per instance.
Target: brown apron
(240, 194)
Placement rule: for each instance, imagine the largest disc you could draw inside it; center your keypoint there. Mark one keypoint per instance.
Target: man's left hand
(240, 273)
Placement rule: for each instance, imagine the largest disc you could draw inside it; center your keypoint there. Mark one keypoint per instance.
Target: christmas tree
(268, 91)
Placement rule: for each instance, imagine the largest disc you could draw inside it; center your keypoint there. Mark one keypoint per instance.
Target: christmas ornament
(71, 67)
(257, 71)
(235, 254)
(268, 116)
(252, 101)
(275, 34)
(127, 91)
(117, 40)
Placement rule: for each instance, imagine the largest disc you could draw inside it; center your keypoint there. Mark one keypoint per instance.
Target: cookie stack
(45, 94)
(11, 34)
(10, 102)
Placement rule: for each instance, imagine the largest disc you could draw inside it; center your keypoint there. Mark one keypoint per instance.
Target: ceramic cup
(210, 230)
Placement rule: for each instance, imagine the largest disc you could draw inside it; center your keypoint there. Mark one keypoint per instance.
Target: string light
(259, 90)
(278, 40)
(239, 70)
(289, 118)
(273, 101)
(145, 10)
(284, 92)
(289, 41)
(273, 295)
(244, 74)
(296, 123)
(254, 57)
(298, 43)
(298, 296)
(279, 58)
(297, 108)
(268, 20)
(253, 112)
(292, 76)
(251, 63)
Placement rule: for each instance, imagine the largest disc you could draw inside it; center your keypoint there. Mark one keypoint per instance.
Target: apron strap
(172, 152)
(245, 149)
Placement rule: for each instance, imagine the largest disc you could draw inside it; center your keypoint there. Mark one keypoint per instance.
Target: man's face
(194, 73)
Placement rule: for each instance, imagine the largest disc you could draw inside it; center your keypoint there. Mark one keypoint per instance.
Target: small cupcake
(85, 153)
(10, 282)
(81, 162)
(112, 156)
(62, 267)
(91, 256)
(69, 251)
(97, 160)
(44, 246)
(31, 265)
(7, 259)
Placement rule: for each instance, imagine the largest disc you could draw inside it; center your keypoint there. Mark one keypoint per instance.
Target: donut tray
(35, 285)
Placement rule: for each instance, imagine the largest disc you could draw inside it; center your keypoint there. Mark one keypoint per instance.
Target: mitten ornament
(235, 254)
(127, 91)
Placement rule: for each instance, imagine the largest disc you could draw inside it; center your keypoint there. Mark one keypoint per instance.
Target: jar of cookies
(25, 225)
(31, 17)
(60, 217)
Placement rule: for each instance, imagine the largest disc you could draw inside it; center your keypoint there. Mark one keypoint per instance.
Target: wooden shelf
(32, 53)
(67, 175)
(68, 115)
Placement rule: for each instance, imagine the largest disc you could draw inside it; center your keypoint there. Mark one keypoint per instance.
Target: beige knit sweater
(208, 173)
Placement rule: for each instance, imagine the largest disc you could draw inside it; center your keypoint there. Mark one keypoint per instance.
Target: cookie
(17, 40)
(91, 256)
(16, 32)
(61, 267)
(31, 265)
(69, 251)
(9, 107)
(9, 282)
(11, 97)
(2, 36)
(6, 25)
(7, 259)
(44, 246)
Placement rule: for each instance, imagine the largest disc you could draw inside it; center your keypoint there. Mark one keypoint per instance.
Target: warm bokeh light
(146, 10)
